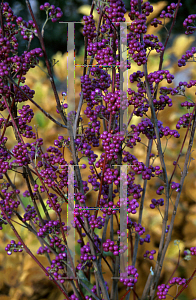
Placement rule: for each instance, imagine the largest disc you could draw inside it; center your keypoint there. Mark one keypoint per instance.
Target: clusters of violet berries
(55, 13)
(170, 10)
(110, 246)
(164, 288)
(175, 186)
(14, 247)
(193, 250)
(101, 105)
(156, 203)
(185, 57)
(149, 254)
(131, 279)
(189, 24)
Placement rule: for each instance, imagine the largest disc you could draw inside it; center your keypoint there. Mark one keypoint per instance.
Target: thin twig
(87, 288)
(30, 253)
(184, 173)
(47, 64)
(35, 103)
(88, 72)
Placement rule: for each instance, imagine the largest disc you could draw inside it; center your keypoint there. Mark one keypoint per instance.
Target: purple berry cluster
(56, 269)
(111, 144)
(137, 50)
(86, 256)
(27, 29)
(5, 157)
(146, 127)
(178, 280)
(146, 239)
(170, 11)
(104, 57)
(102, 143)
(109, 207)
(115, 101)
(8, 201)
(55, 13)
(19, 96)
(101, 82)
(89, 28)
(193, 250)
(167, 229)
(184, 120)
(152, 42)
(73, 297)
(158, 171)
(140, 168)
(187, 104)
(14, 247)
(54, 201)
(156, 22)
(132, 205)
(162, 291)
(110, 246)
(96, 222)
(94, 290)
(158, 76)
(164, 288)
(57, 243)
(30, 212)
(162, 102)
(8, 12)
(51, 227)
(136, 228)
(160, 190)
(115, 11)
(185, 57)
(189, 24)
(149, 254)
(131, 279)
(175, 186)
(156, 203)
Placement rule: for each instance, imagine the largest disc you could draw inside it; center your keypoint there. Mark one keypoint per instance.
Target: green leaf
(78, 247)
(108, 253)
(26, 200)
(41, 119)
(83, 278)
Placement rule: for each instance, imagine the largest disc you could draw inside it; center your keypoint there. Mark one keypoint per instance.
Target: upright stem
(184, 173)
(30, 253)
(142, 204)
(47, 64)
(168, 35)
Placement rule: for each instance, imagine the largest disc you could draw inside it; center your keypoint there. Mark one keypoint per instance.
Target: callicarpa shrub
(109, 231)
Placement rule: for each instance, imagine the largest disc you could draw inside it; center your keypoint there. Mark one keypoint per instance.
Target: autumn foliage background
(20, 277)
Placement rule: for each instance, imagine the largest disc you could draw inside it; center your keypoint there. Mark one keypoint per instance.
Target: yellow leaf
(157, 8)
(181, 44)
(85, 10)
(2, 278)
(11, 276)
(154, 30)
(173, 249)
(60, 68)
(4, 297)
(127, 19)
